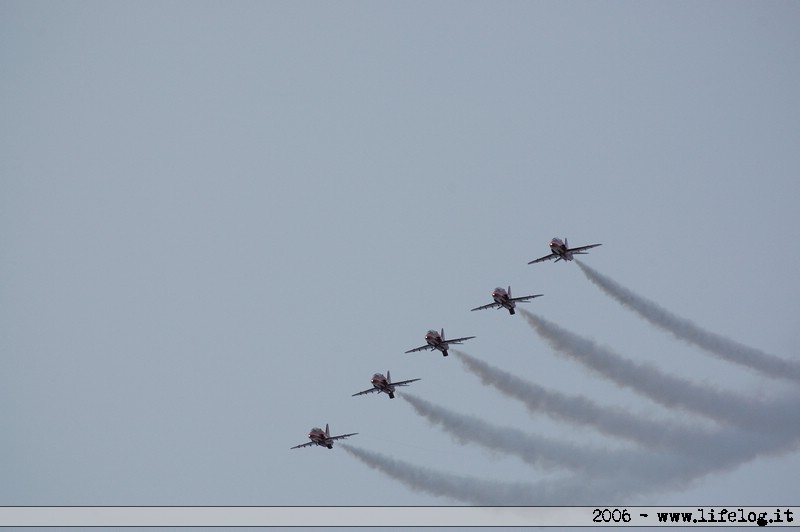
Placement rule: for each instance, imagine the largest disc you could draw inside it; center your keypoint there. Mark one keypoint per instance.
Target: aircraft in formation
(322, 438)
(502, 299)
(560, 250)
(385, 385)
(436, 340)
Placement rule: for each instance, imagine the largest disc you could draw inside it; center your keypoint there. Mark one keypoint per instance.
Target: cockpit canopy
(317, 430)
(433, 332)
(378, 377)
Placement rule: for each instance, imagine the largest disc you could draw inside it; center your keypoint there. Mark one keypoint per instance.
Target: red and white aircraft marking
(560, 250)
(322, 438)
(436, 340)
(385, 385)
(503, 299)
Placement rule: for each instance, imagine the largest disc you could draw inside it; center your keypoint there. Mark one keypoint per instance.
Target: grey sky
(218, 220)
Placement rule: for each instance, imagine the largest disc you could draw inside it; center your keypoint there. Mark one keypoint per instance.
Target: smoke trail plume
(717, 451)
(535, 450)
(580, 410)
(729, 450)
(480, 492)
(637, 471)
(644, 466)
(687, 331)
(668, 390)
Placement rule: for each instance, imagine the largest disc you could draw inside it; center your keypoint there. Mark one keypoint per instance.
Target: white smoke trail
(535, 450)
(481, 492)
(687, 331)
(664, 473)
(779, 416)
(716, 451)
(633, 471)
(580, 410)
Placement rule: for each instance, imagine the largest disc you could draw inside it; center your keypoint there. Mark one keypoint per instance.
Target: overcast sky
(219, 219)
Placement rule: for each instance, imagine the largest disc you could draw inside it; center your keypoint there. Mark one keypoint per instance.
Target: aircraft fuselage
(382, 384)
(319, 437)
(434, 340)
(558, 247)
(500, 297)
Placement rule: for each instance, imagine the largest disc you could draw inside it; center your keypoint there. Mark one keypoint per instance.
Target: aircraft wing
(583, 248)
(342, 436)
(490, 305)
(405, 383)
(525, 298)
(307, 444)
(458, 340)
(542, 259)
(420, 348)
(373, 389)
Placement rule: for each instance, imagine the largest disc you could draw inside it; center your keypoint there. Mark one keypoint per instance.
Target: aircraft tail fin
(509, 291)
(442, 333)
(388, 377)
(327, 430)
(566, 243)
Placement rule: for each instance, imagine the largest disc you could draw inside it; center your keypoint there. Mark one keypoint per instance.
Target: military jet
(560, 250)
(385, 385)
(436, 340)
(502, 299)
(322, 438)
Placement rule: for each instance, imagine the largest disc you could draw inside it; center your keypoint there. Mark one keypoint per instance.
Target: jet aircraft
(436, 340)
(503, 299)
(322, 438)
(560, 250)
(385, 385)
